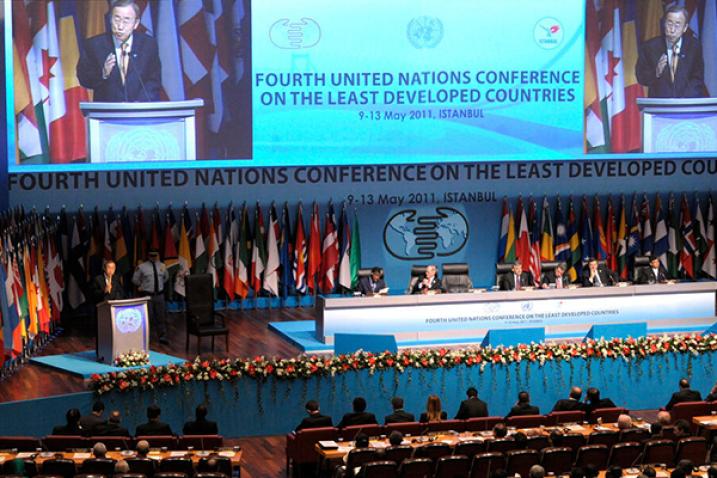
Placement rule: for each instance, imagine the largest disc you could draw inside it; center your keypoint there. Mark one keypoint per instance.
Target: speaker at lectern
(122, 327)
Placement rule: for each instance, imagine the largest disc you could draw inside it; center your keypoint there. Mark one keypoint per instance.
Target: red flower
(424, 362)
(167, 378)
(442, 352)
(205, 364)
(95, 377)
(269, 369)
(123, 384)
(233, 373)
(213, 374)
(457, 359)
(389, 362)
(666, 345)
(290, 369)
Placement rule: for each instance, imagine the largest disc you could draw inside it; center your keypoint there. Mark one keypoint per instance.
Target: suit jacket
(607, 277)
(646, 276)
(364, 286)
(521, 409)
(200, 427)
(686, 395)
(66, 430)
(88, 423)
(602, 403)
(689, 77)
(357, 418)
(153, 429)
(424, 417)
(568, 405)
(435, 285)
(711, 397)
(111, 429)
(315, 421)
(507, 282)
(549, 278)
(472, 408)
(399, 416)
(143, 71)
(98, 289)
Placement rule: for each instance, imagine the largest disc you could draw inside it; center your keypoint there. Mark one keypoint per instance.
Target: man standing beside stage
(122, 65)
(671, 66)
(150, 278)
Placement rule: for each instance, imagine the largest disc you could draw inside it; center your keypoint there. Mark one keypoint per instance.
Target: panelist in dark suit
(373, 283)
(200, 425)
(472, 407)
(572, 403)
(671, 66)
(685, 394)
(153, 427)
(429, 283)
(556, 278)
(359, 416)
(107, 285)
(315, 418)
(655, 274)
(122, 65)
(597, 275)
(523, 406)
(516, 279)
(399, 415)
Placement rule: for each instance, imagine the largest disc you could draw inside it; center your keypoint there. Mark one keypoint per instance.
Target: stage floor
(84, 364)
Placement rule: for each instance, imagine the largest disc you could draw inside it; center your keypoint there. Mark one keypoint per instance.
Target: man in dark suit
(373, 283)
(107, 285)
(593, 401)
(122, 65)
(655, 274)
(399, 415)
(685, 394)
(472, 407)
(671, 65)
(557, 278)
(72, 426)
(315, 418)
(359, 416)
(597, 275)
(429, 283)
(153, 427)
(523, 406)
(572, 403)
(113, 427)
(95, 418)
(516, 279)
(200, 425)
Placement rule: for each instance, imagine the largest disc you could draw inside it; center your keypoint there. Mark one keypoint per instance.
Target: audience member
(395, 438)
(142, 448)
(536, 471)
(624, 422)
(591, 471)
(594, 401)
(99, 450)
(521, 441)
(399, 415)
(570, 404)
(121, 467)
(200, 425)
(682, 429)
(500, 430)
(687, 466)
(361, 440)
(89, 422)
(315, 418)
(523, 406)
(656, 430)
(649, 472)
(613, 472)
(664, 418)
(72, 427)
(153, 427)
(556, 438)
(712, 396)
(359, 416)
(472, 407)
(685, 394)
(434, 412)
(678, 473)
(112, 427)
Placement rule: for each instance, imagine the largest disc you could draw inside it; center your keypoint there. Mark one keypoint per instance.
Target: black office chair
(501, 269)
(639, 263)
(202, 320)
(417, 272)
(456, 278)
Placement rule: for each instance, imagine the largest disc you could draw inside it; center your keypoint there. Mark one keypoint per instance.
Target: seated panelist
(516, 279)
(429, 283)
(372, 284)
(654, 274)
(597, 275)
(556, 278)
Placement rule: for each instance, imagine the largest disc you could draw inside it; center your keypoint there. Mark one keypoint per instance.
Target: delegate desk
(564, 313)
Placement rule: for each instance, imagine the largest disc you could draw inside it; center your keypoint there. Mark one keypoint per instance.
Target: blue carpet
(84, 364)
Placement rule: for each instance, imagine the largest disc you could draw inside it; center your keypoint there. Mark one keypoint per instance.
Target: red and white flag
(329, 253)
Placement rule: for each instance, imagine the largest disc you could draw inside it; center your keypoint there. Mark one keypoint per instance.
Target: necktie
(125, 61)
(156, 278)
(675, 59)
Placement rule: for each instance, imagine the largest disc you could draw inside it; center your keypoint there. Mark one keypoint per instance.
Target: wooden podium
(678, 125)
(138, 132)
(122, 326)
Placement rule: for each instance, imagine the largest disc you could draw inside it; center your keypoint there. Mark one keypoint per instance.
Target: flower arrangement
(132, 359)
(261, 368)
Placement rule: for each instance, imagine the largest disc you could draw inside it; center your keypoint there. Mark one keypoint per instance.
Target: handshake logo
(425, 233)
(296, 35)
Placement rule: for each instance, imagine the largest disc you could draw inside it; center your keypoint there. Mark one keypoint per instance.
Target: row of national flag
(680, 232)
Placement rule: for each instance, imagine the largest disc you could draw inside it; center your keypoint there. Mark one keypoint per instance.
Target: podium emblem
(128, 320)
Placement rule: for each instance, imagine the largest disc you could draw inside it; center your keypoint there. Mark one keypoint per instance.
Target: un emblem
(411, 234)
(425, 32)
(128, 320)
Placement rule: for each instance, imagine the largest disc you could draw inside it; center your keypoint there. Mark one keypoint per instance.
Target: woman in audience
(72, 427)
(433, 412)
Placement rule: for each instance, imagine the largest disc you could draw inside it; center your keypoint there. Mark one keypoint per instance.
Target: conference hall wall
(410, 114)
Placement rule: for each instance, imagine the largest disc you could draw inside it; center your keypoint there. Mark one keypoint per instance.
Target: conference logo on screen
(548, 33)
(128, 320)
(425, 233)
(425, 32)
(295, 35)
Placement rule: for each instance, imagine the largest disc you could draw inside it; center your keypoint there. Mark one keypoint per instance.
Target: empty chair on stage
(456, 278)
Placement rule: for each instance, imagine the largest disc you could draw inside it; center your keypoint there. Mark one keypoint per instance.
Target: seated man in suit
(201, 426)
(593, 401)
(523, 406)
(359, 416)
(557, 278)
(472, 407)
(72, 427)
(399, 415)
(685, 394)
(429, 283)
(89, 422)
(153, 427)
(516, 279)
(113, 427)
(570, 404)
(373, 283)
(107, 285)
(315, 418)
(655, 274)
(597, 275)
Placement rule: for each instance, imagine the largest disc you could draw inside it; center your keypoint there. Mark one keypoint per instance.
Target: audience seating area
(68, 442)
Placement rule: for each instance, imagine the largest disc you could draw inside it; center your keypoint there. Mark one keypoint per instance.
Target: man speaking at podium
(671, 66)
(123, 65)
